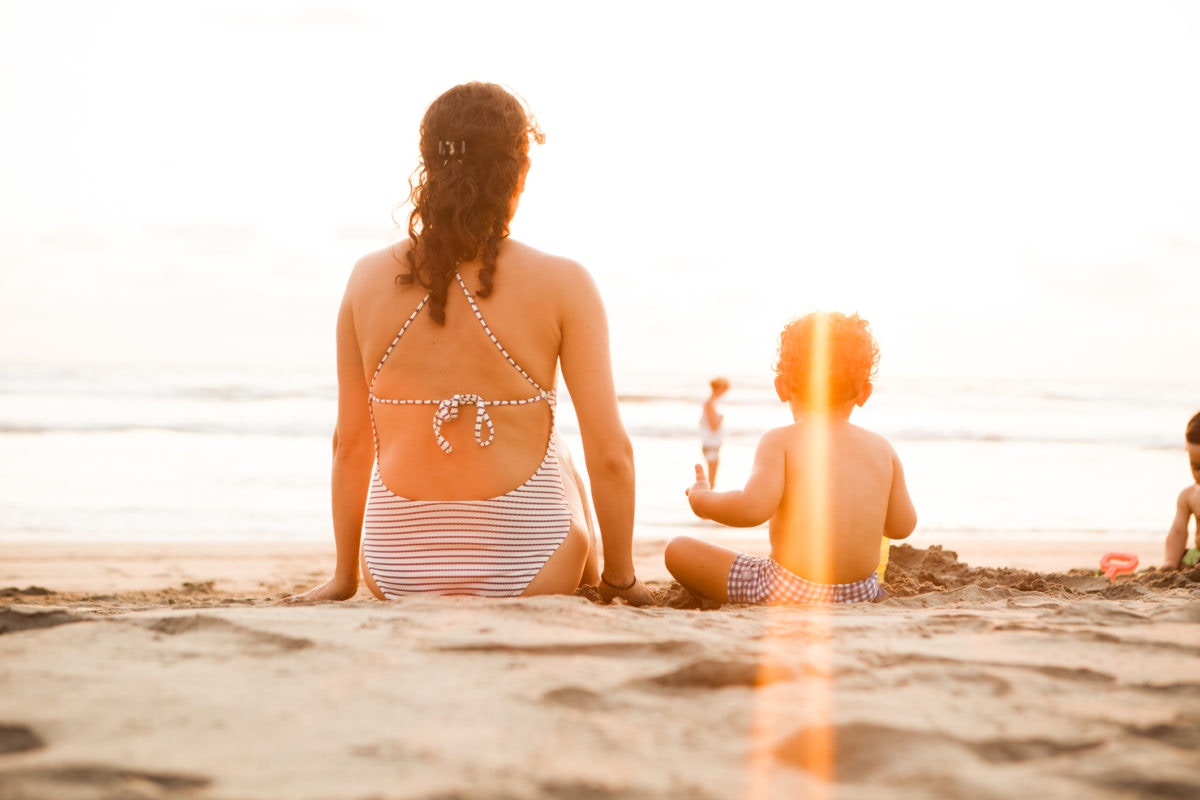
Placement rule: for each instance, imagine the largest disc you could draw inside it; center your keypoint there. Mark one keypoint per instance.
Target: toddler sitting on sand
(829, 489)
(1186, 507)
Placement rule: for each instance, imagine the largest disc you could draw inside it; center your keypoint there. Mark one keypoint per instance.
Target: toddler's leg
(703, 568)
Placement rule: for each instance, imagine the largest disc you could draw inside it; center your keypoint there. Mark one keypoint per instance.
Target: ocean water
(177, 383)
(242, 454)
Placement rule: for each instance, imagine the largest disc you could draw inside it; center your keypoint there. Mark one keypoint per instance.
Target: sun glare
(814, 746)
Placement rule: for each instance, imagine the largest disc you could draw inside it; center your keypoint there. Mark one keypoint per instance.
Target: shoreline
(266, 567)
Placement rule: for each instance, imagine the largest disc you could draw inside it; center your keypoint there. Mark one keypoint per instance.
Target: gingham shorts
(764, 581)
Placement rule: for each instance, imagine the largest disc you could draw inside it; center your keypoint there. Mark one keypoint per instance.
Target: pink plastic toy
(1114, 564)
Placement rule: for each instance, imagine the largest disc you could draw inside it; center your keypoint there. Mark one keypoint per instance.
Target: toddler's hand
(701, 484)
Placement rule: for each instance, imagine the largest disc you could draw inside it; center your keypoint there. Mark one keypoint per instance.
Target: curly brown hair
(1192, 433)
(825, 357)
(474, 145)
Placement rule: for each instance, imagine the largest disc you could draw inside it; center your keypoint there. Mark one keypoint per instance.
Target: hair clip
(452, 149)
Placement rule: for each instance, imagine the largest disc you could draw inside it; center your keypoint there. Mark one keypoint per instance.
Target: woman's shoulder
(390, 258)
(540, 264)
(377, 268)
(546, 275)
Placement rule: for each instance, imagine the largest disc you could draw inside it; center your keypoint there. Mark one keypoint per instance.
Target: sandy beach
(171, 671)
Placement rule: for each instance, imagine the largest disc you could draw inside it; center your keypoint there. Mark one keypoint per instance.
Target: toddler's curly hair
(826, 356)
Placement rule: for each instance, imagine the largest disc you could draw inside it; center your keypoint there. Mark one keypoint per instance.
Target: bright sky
(1008, 188)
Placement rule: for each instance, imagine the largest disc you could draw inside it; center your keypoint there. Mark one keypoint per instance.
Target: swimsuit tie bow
(447, 411)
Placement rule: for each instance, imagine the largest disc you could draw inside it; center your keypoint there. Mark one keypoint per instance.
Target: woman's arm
(587, 369)
(353, 456)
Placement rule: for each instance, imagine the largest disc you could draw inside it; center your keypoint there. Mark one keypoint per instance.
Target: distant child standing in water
(712, 431)
(830, 489)
(1187, 507)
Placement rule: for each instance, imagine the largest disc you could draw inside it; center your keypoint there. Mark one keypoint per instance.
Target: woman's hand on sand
(331, 589)
(636, 594)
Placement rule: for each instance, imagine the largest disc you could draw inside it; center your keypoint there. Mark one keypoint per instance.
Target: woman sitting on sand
(448, 346)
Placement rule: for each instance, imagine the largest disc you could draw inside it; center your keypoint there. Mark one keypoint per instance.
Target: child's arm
(752, 505)
(710, 414)
(901, 515)
(1176, 542)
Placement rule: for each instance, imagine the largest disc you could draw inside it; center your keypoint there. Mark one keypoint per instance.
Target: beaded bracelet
(612, 585)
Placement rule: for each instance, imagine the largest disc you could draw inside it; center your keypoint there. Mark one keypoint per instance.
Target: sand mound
(914, 571)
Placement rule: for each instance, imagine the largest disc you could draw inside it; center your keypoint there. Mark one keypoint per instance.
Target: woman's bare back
(433, 362)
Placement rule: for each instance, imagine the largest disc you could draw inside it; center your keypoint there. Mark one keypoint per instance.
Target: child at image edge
(1186, 507)
(830, 489)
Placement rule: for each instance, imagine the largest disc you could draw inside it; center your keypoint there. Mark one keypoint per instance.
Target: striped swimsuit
(489, 548)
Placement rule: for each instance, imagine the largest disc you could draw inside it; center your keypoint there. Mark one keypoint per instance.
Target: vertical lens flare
(771, 725)
(819, 745)
(801, 730)
(816, 452)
